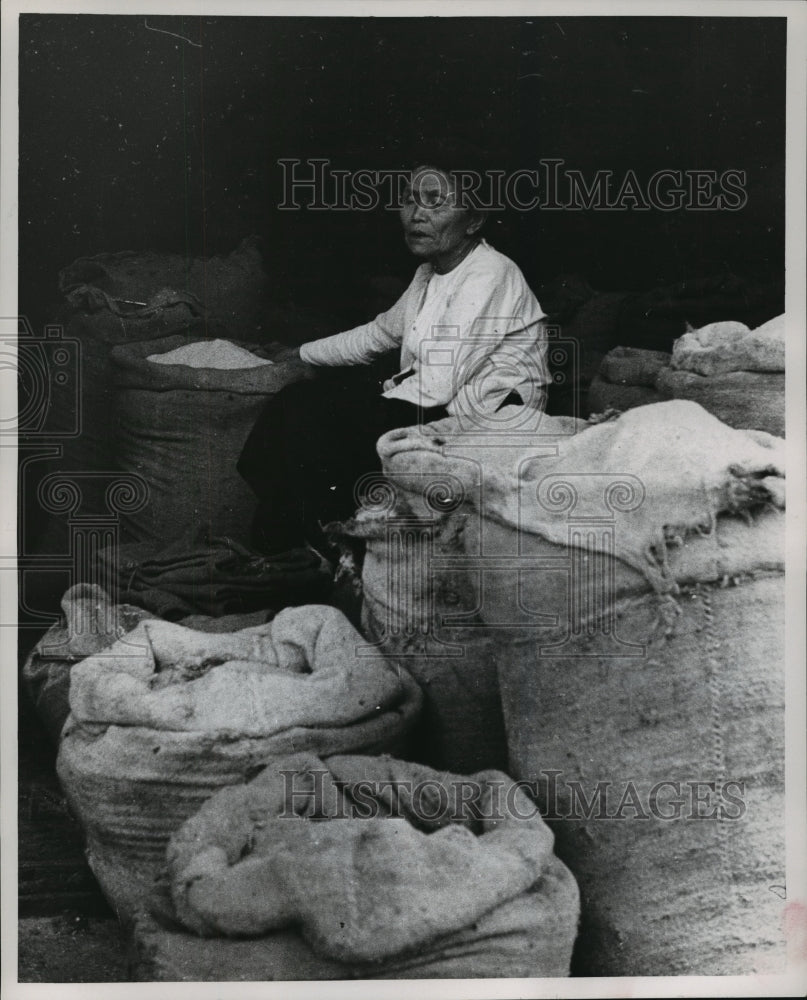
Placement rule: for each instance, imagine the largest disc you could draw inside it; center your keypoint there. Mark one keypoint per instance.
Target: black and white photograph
(398, 586)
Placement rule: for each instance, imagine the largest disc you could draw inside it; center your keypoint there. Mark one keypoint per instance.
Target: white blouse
(468, 337)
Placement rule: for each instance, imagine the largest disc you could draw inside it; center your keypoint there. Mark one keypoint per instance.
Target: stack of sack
(167, 715)
(634, 572)
(113, 300)
(129, 298)
(736, 373)
(596, 323)
(355, 867)
(627, 378)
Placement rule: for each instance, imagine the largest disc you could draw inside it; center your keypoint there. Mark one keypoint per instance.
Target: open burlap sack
(121, 299)
(182, 429)
(163, 719)
(383, 868)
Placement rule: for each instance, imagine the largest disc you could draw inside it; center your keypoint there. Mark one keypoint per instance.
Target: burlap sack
(629, 660)
(182, 429)
(126, 298)
(403, 612)
(660, 768)
(603, 395)
(228, 288)
(418, 874)
(160, 722)
(738, 398)
(631, 366)
(91, 624)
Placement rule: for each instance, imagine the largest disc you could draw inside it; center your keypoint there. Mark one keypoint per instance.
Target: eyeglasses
(430, 198)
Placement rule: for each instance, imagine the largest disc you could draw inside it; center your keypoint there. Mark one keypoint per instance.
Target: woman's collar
(457, 266)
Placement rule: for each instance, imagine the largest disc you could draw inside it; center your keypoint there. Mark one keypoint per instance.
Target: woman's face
(435, 228)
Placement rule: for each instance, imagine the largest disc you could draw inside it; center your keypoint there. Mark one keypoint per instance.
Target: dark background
(134, 139)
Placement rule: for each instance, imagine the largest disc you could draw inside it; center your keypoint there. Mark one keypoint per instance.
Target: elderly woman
(470, 338)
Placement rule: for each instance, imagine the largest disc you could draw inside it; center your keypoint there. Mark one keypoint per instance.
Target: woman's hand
(295, 367)
(284, 354)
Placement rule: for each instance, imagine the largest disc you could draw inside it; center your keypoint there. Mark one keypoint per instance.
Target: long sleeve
(364, 343)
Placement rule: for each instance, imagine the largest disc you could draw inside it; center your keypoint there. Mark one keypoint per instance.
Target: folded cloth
(300, 669)
(214, 576)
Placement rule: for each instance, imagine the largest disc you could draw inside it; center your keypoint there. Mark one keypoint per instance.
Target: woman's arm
(362, 344)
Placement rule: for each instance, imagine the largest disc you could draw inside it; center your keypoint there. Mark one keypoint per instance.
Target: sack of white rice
(182, 427)
(122, 299)
(369, 868)
(80, 415)
(167, 715)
